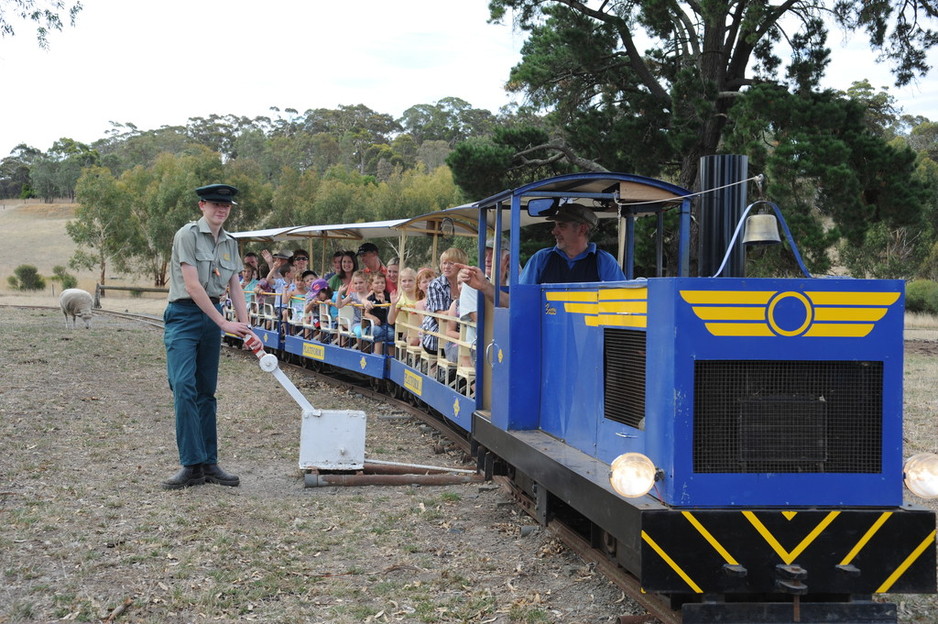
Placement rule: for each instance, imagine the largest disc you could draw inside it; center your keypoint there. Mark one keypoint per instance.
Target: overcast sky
(160, 63)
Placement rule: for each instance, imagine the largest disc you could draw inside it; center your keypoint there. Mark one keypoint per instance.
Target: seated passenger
(394, 270)
(440, 294)
(451, 329)
(249, 282)
(318, 292)
(294, 298)
(406, 296)
(336, 265)
(379, 298)
(356, 298)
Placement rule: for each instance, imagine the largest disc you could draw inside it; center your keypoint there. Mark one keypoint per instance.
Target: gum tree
(47, 15)
(637, 84)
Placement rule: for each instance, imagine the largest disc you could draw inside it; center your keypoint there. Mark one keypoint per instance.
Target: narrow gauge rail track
(563, 528)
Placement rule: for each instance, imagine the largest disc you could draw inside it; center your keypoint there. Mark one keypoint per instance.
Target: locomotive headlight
(921, 474)
(632, 475)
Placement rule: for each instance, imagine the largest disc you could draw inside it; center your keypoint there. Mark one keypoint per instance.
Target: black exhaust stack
(719, 212)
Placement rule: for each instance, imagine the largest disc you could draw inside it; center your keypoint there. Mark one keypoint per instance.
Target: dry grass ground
(87, 429)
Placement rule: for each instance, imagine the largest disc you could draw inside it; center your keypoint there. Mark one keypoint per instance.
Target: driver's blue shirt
(606, 264)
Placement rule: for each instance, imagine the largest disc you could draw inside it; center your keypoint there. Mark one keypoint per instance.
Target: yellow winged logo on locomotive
(811, 314)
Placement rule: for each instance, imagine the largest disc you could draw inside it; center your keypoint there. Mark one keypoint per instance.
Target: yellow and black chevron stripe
(843, 551)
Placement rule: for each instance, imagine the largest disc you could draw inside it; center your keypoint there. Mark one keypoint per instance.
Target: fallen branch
(116, 613)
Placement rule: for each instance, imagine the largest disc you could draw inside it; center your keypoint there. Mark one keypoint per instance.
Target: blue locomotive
(734, 443)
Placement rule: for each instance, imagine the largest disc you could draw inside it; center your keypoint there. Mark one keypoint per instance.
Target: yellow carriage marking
(927, 543)
(363, 363)
(789, 515)
(866, 537)
(455, 408)
(413, 382)
(314, 351)
(784, 554)
(671, 562)
(717, 546)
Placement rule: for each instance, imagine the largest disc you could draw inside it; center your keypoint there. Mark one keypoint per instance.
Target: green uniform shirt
(195, 245)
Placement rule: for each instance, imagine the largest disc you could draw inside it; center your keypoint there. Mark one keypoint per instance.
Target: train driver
(572, 259)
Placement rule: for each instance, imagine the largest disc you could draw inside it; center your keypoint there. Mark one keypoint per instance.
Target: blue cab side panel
(516, 360)
(784, 392)
(574, 374)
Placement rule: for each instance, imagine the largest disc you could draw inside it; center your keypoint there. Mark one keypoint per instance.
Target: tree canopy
(664, 75)
(46, 15)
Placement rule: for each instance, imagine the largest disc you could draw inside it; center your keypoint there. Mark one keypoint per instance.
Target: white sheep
(76, 302)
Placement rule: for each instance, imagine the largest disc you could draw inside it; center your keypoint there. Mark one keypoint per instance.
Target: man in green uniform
(205, 262)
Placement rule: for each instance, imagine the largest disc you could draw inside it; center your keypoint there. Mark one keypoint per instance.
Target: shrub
(26, 278)
(922, 296)
(65, 279)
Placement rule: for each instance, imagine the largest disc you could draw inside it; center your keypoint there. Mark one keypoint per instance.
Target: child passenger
(294, 298)
(319, 293)
(424, 277)
(379, 298)
(406, 296)
(357, 296)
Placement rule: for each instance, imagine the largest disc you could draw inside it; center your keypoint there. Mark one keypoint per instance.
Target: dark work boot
(214, 474)
(187, 476)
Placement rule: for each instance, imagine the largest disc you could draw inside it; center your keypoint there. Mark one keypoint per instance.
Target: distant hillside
(33, 232)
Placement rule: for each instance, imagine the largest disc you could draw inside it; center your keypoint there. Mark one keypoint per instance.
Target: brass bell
(761, 229)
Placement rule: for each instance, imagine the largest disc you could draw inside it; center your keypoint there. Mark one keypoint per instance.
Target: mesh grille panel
(624, 362)
(792, 416)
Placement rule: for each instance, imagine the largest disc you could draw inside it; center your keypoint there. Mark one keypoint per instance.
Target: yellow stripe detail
(849, 314)
(837, 330)
(789, 514)
(721, 313)
(581, 308)
(853, 298)
(866, 537)
(577, 295)
(739, 329)
(710, 539)
(617, 320)
(624, 307)
(712, 297)
(783, 554)
(889, 582)
(625, 294)
(671, 562)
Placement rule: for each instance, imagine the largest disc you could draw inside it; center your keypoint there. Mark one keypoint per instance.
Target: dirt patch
(87, 424)
(48, 211)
